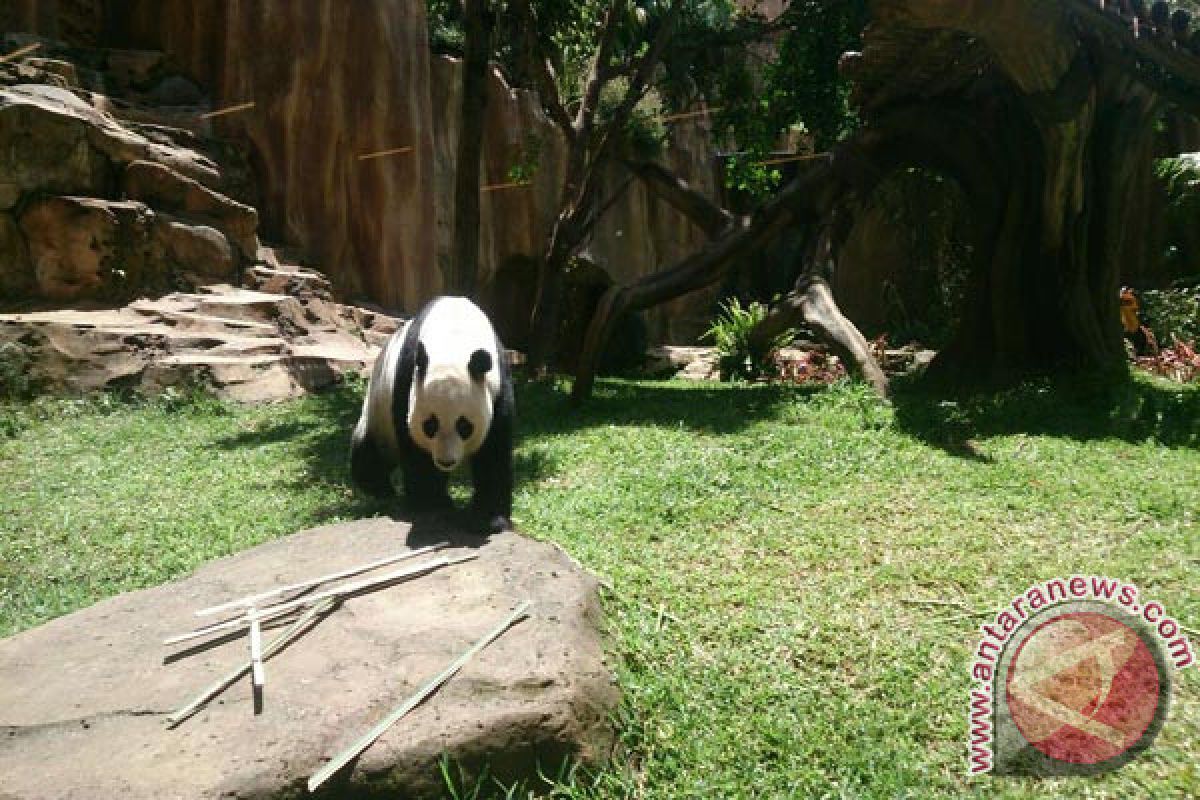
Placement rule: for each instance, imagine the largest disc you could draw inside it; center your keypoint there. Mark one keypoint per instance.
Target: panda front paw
(499, 524)
(489, 522)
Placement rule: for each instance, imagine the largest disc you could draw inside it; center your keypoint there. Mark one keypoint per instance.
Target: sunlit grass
(779, 558)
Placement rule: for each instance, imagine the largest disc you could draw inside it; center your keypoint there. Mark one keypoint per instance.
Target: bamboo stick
(273, 647)
(689, 114)
(365, 741)
(271, 612)
(498, 186)
(20, 51)
(256, 655)
(228, 110)
(256, 599)
(381, 153)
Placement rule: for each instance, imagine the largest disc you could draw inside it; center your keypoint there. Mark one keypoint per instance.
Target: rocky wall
(331, 81)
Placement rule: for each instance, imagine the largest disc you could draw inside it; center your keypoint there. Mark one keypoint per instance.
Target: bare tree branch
(596, 76)
(610, 202)
(694, 205)
(581, 184)
(543, 73)
(812, 302)
(648, 62)
(638, 85)
(804, 198)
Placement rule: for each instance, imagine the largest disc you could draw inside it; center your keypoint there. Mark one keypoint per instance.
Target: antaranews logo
(1073, 677)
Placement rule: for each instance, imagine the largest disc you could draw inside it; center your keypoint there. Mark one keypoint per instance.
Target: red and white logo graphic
(1072, 677)
(1083, 688)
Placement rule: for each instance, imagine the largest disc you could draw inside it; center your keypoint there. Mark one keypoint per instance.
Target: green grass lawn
(780, 558)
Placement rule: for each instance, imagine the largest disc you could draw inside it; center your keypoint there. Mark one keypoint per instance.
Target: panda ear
(422, 360)
(480, 364)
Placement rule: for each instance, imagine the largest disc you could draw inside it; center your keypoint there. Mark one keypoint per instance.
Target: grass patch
(769, 547)
(103, 495)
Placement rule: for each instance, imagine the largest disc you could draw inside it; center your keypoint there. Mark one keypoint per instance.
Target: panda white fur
(440, 394)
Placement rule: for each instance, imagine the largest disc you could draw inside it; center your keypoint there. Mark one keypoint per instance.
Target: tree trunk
(551, 290)
(464, 255)
(1066, 94)
(590, 149)
(1044, 297)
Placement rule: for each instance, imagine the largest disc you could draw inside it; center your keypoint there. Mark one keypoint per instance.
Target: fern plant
(739, 355)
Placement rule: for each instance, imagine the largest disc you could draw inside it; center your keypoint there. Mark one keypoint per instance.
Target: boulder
(162, 187)
(52, 140)
(16, 274)
(44, 143)
(83, 248)
(88, 249)
(85, 697)
(197, 253)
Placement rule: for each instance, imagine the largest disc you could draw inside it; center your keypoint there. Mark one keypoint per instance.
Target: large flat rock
(84, 698)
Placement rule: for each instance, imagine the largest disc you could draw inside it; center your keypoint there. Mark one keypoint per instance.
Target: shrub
(1171, 314)
(738, 355)
(16, 379)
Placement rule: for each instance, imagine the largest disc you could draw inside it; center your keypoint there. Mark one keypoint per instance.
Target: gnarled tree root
(812, 302)
(695, 272)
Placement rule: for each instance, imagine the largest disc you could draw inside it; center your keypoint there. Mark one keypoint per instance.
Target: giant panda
(440, 394)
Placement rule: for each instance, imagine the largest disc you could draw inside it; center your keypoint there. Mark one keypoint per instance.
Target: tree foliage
(789, 83)
(767, 77)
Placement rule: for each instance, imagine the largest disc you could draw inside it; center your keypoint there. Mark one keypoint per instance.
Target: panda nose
(447, 464)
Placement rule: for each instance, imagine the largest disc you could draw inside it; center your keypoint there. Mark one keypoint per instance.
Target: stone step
(246, 345)
(248, 305)
(193, 320)
(256, 378)
(289, 279)
(237, 347)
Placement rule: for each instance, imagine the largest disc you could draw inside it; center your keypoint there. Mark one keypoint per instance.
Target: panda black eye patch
(464, 427)
(430, 426)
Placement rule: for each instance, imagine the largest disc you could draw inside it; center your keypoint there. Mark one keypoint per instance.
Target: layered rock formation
(332, 81)
(279, 340)
(96, 208)
(124, 254)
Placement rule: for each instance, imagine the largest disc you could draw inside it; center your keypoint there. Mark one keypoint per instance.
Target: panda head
(450, 410)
